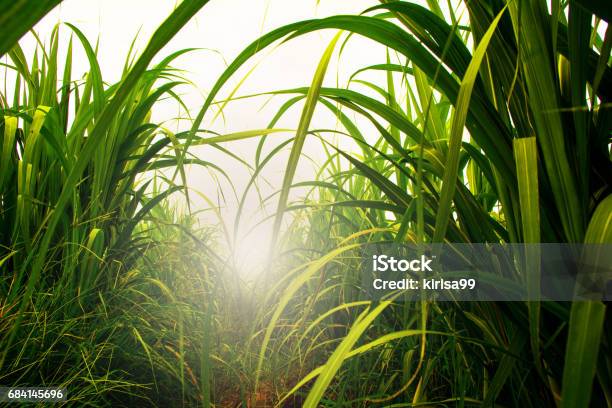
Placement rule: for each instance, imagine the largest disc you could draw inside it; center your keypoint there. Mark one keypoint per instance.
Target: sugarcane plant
(505, 141)
(86, 226)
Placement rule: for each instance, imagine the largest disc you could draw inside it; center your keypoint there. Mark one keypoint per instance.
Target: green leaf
(586, 324)
(341, 353)
(300, 136)
(455, 138)
(526, 158)
(585, 328)
(288, 294)
(8, 147)
(19, 16)
(543, 99)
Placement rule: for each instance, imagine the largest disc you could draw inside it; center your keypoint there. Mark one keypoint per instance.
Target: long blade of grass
(300, 137)
(544, 103)
(455, 138)
(586, 325)
(585, 329)
(17, 17)
(526, 157)
(342, 352)
(286, 297)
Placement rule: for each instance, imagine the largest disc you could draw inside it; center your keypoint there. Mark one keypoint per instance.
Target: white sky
(223, 28)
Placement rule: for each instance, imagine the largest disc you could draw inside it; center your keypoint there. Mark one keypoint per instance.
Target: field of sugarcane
(487, 122)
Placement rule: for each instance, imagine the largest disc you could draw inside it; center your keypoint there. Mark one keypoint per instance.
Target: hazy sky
(222, 29)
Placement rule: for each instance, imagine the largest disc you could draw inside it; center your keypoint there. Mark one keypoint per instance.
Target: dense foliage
(489, 127)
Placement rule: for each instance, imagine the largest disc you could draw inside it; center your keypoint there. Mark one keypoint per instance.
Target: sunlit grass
(486, 122)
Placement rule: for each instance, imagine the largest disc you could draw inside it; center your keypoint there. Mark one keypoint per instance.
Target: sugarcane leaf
(456, 134)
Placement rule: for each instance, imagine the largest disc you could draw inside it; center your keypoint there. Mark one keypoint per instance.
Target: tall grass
(491, 125)
(533, 96)
(89, 297)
